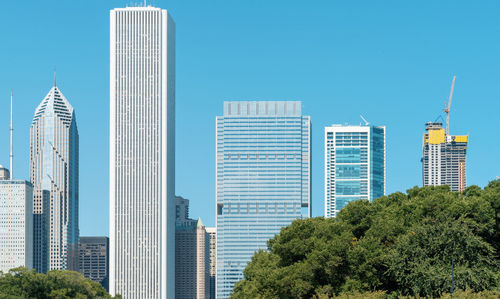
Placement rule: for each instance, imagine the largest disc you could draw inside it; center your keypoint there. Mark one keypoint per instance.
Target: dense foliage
(398, 245)
(24, 283)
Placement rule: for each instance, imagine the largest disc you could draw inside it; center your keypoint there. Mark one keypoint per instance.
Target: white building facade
(16, 224)
(142, 157)
(354, 165)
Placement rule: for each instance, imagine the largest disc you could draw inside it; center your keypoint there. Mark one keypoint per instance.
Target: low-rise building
(94, 259)
(16, 222)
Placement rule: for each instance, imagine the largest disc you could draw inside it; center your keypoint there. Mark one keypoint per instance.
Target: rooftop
(138, 7)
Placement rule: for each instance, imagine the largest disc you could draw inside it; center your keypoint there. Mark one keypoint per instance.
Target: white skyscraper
(142, 157)
(54, 175)
(16, 223)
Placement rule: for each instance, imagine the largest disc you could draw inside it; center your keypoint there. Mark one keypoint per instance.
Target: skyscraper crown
(55, 102)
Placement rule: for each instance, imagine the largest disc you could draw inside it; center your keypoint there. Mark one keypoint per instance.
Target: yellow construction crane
(447, 108)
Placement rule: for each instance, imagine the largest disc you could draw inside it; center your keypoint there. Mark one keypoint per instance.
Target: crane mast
(447, 108)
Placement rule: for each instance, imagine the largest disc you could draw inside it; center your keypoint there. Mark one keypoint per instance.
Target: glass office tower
(54, 175)
(354, 165)
(263, 180)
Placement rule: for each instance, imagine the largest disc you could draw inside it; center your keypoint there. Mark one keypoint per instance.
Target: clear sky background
(391, 61)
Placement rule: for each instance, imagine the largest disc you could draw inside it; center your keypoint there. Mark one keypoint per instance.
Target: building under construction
(443, 160)
(444, 155)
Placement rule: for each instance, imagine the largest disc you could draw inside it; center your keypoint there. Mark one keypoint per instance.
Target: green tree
(24, 283)
(421, 262)
(401, 244)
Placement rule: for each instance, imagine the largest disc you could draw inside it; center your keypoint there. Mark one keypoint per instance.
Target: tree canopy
(401, 244)
(60, 284)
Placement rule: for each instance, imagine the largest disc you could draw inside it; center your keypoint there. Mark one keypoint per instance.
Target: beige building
(192, 255)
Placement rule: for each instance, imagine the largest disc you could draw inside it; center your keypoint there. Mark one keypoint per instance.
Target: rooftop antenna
(11, 133)
(447, 108)
(366, 122)
(55, 77)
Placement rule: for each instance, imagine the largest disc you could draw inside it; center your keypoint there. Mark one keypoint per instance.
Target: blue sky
(391, 61)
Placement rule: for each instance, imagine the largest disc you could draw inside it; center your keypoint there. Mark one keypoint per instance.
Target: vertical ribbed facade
(54, 175)
(263, 180)
(142, 158)
(354, 165)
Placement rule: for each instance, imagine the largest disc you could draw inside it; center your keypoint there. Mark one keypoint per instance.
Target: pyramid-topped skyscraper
(54, 175)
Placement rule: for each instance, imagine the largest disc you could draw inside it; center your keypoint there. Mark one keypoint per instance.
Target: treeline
(60, 284)
(398, 245)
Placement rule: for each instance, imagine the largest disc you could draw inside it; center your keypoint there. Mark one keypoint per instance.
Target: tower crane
(447, 108)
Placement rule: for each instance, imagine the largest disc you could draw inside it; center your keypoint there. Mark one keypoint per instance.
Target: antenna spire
(55, 77)
(11, 133)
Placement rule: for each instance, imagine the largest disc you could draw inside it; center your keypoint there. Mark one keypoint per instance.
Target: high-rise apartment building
(212, 232)
(354, 165)
(94, 259)
(142, 157)
(192, 252)
(54, 175)
(443, 159)
(263, 180)
(16, 222)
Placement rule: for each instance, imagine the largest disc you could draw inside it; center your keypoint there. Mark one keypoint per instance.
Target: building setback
(16, 223)
(354, 165)
(54, 175)
(192, 255)
(263, 180)
(212, 232)
(443, 158)
(94, 259)
(142, 153)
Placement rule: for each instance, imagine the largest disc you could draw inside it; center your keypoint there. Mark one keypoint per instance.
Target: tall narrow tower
(142, 158)
(54, 175)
